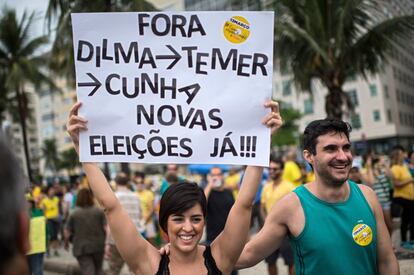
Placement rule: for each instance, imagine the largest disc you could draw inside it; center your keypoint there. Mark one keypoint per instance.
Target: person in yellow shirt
(310, 176)
(37, 237)
(232, 181)
(292, 171)
(403, 195)
(307, 173)
(272, 192)
(146, 198)
(50, 207)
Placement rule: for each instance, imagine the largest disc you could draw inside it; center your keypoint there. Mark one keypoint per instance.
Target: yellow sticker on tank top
(362, 234)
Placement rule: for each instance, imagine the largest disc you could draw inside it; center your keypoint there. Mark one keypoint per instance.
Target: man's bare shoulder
(288, 212)
(287, 205)
(365, 189)
(369, 194)
(291, 200)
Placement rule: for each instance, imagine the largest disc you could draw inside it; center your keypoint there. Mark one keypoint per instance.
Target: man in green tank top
(334, 226)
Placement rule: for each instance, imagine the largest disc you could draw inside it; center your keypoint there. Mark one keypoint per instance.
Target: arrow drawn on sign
(95, 83)
(176, 56)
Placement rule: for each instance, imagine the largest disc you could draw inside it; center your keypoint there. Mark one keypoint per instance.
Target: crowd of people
(281, 209)
(72, 215)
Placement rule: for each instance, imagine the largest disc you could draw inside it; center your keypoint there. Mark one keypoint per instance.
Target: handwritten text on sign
(174, 87)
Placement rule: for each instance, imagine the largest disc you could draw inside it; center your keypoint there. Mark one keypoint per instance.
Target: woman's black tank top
(209, 262)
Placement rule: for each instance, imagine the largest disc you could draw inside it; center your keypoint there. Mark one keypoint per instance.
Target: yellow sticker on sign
(362, 234)
(236, 29)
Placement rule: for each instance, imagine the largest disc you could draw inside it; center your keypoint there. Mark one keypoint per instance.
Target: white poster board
(171, 87)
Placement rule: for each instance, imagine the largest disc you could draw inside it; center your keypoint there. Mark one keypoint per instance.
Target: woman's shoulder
(96, 210)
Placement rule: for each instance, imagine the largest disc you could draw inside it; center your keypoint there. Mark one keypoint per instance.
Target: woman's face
(401, 156)
(51, 192)
(185, 230)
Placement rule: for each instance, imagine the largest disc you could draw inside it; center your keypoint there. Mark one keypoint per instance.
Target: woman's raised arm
(139, 254)
(226, 248)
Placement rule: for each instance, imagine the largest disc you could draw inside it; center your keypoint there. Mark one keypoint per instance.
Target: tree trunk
(334, 102)
(22, 118)
(106, 170)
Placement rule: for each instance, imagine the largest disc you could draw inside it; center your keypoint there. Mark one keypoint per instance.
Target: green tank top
(338, 238)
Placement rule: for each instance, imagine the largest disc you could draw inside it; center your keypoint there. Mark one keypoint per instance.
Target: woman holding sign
(182, 217)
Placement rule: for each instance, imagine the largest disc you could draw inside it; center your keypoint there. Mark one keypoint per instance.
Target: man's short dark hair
(178, 198)
(398, 147)
(12, 202)
(139, 174)
(172, 178)
(121, 179)
(321, 127)
(277, 160)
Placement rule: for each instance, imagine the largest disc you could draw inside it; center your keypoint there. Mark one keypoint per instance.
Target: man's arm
(387, 262)
(207, 189)
(367, 175)
(270, 237)
(395, 178)
(263, 212)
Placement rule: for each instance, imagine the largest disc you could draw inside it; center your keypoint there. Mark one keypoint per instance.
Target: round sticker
(236, 29)
(362, 234)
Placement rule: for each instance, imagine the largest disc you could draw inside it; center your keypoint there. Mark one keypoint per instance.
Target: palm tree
(21, 65)
(287, 134)
(333, 40)
(50, 154)
(69, 160)
(62, 50)
(3, 95)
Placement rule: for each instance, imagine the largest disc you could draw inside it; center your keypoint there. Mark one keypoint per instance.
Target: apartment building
(384, 103)
(53, 112)
(211, 5)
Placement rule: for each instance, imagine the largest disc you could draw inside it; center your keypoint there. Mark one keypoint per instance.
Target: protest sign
(171, 87)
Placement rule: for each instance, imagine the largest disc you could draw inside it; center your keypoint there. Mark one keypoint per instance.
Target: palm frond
(33, 45)
(368, 52)
(289, 30)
